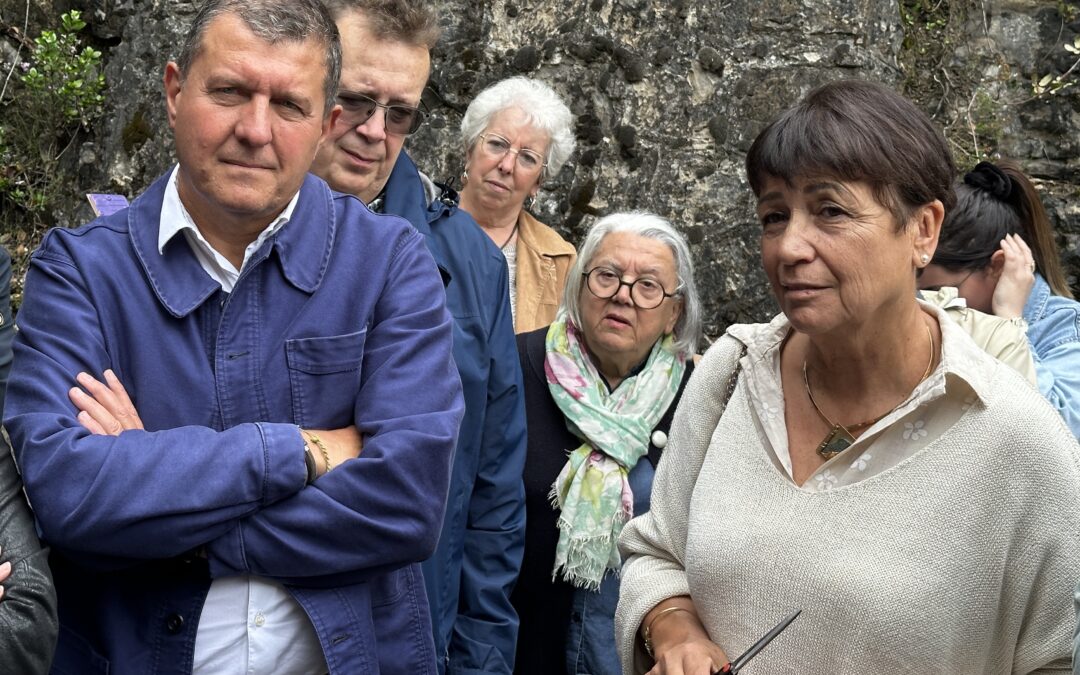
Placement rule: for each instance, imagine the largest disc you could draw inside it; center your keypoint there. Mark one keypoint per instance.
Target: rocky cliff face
(669, 95)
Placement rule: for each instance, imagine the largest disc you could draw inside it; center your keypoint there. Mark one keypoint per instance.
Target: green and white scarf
(592, 490)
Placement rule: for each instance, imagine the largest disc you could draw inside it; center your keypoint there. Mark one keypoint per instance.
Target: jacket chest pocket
(324, 378)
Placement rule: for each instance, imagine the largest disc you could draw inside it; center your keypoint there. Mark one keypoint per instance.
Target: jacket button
(174, 623)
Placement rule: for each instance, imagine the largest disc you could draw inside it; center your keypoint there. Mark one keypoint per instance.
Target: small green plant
(923, 18)
(47, 107)
(948, 89)
(1052, 84)
(1068, 12)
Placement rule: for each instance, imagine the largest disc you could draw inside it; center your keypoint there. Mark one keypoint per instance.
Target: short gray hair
(651, 226)
(414, 22)
(543, 108)
(273, 21)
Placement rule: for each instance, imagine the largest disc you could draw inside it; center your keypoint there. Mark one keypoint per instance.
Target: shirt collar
(960, 356)
(177, 276)
(175, 218)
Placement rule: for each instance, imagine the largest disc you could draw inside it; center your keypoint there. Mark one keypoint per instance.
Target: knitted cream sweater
(960, 559)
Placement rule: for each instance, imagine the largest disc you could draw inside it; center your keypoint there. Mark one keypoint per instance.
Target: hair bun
(987, 177)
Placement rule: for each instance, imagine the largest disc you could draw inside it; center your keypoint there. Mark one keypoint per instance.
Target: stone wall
(668, 96)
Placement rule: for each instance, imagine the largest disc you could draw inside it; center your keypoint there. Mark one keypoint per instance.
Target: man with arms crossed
(385, 65)
(260, 501)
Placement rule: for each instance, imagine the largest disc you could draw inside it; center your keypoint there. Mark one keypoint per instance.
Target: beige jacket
(543, 262)
(1004, 339)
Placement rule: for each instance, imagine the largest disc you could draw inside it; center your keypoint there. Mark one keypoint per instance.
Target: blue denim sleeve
(484, 638)
(1057, 370)
(384, 508)
(142, 494)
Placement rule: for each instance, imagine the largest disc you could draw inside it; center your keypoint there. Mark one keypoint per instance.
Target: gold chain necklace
(840, 437)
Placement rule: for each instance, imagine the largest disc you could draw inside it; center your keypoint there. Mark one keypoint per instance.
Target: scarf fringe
(582, 566)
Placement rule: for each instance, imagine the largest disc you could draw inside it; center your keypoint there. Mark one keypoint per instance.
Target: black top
(544, 606)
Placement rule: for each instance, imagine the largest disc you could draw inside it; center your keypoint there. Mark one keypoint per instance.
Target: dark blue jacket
(471, 575)
(338, 318)
(7, 325)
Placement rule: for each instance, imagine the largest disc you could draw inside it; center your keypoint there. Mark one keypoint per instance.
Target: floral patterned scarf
(592, 490)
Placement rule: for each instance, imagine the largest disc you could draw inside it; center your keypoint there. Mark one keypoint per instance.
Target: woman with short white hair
(601, 386)
(517, 133)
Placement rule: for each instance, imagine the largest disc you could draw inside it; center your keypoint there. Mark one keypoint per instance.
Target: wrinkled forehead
(230, 39)
(383, 68)
(632, 252)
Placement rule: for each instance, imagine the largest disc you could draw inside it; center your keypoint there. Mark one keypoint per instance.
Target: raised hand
(1016, 280)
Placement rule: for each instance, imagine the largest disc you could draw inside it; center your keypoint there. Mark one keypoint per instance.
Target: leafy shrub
(57, 95)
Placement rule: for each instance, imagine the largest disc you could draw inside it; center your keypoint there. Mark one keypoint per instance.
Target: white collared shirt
(175, 218)
(248, 624)
(930, 410)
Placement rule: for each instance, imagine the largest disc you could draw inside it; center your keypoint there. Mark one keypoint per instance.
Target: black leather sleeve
(7, 325)
(28, 623)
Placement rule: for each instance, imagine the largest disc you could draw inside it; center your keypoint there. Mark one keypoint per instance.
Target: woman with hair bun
(997, 249)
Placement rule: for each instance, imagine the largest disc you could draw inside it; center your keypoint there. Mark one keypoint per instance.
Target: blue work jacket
(1054, 334)
(338, 319)
(471, 575)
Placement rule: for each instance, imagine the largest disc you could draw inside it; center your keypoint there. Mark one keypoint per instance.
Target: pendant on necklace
(836, 442)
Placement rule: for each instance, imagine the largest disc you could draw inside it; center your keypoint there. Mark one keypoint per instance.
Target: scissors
(735, 666)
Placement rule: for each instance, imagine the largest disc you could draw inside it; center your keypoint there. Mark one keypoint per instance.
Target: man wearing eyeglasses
(385, 67)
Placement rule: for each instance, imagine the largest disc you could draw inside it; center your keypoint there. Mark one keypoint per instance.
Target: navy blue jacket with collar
(473, 571)
(338, 318)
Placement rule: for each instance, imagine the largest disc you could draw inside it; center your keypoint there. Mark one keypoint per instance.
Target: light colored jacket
(1054, 333)
(543, 262)
(1004, 339)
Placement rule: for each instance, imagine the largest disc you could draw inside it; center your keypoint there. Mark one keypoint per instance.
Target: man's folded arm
(384, 508)
(142, 494)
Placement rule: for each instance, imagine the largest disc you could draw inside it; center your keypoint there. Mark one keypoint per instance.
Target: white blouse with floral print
(931, 409)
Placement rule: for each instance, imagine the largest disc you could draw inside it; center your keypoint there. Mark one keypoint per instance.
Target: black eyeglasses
(647, 293)
(400, 119)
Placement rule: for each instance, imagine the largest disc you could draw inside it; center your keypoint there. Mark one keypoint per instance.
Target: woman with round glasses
(518, 132)
(601, 386)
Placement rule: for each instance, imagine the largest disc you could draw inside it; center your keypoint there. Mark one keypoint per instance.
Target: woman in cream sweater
(857, 458)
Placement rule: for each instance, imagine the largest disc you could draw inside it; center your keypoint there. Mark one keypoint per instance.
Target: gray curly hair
(543, 108)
